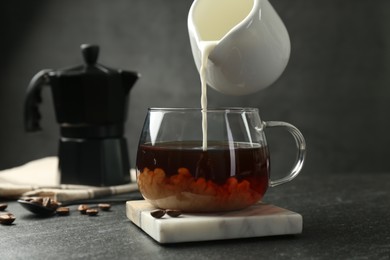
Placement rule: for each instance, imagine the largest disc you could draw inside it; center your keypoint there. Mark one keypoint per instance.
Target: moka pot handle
(32, 115)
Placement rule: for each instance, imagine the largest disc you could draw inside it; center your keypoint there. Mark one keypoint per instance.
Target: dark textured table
(346, 216)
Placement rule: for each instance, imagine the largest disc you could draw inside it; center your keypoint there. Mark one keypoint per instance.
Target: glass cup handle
(301, 145)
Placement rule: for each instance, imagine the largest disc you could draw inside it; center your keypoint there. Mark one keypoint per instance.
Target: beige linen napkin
(41, 178)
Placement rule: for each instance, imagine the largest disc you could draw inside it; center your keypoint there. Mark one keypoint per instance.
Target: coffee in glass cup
(176, 170)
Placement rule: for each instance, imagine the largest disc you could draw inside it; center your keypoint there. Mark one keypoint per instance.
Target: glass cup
(210, 160)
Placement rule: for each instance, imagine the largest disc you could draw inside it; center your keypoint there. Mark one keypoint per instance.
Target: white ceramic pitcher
(252, 46)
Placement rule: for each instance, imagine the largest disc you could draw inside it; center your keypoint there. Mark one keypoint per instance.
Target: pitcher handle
(301, 145)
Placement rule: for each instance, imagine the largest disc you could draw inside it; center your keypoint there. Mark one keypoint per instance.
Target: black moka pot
(91, 104)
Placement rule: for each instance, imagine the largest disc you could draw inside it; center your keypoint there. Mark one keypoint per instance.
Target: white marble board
(258, 220)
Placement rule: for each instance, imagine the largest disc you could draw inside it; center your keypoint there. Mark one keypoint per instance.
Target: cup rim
(198, 109)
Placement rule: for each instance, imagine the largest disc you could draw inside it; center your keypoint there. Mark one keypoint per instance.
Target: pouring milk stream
(239, 47)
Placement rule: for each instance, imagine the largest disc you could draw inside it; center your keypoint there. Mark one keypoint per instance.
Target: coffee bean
(3, 206)
(158, 213)
(62, 211)
(46, 202)
(7, 219)
(54, 204)
(173, 213)
(83, 208)
(104, 206)
(92, 212)
(37, 200)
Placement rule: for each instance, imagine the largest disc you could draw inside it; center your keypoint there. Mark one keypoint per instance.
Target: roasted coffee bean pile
(8, 218)
(44, 202)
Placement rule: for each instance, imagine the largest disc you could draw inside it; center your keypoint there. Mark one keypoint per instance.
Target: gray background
(336, 88)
